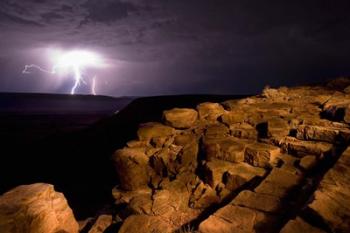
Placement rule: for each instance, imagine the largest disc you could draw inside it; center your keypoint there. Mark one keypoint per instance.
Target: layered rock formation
(35, 208)
(249, 165)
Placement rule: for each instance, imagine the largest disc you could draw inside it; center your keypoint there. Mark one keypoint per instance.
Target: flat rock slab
(278, 183)
(258, 201)
(236, 174)
(236, 219)
(299, 147)
(332, 198)
(322, 133)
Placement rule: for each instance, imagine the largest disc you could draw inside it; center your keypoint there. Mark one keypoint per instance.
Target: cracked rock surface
(276, 162)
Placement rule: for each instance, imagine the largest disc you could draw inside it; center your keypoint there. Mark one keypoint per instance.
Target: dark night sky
(158, 47)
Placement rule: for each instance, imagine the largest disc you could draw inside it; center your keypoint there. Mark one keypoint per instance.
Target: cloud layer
(192, 46)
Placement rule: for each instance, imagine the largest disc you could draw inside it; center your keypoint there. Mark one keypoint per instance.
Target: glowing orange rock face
(35, 208)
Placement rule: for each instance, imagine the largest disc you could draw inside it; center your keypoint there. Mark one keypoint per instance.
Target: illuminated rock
(145, 224)
(260, 154)
(238, 219)
(332, 198)
(153, 130)
(321, 133)
(258, 201)
(228, 149)
(181, 118)
(279, 183)
(101, 224)
(203, 196)
(233, 175)
(36, 208)
(131, 165)
(299, 225)
(301, 148)
(210, 111)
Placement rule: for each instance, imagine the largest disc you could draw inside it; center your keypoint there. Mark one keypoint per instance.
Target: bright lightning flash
(74, 61)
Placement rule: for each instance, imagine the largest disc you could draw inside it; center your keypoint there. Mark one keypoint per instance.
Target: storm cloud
(186, 46)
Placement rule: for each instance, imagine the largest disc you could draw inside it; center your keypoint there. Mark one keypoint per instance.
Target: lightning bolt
(73, 60)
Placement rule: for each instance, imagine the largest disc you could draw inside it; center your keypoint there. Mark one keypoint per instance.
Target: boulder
(132, 167)
(260, 154)
(233, 175)
(210, 111)
(101, 224)
(216, 131)
(244, 130)
(258, 201)
(240, 174)
(299, 225)
(145, 224)
(228, 149)
(36, 208)
(203, 196)
(181, 118)
(233, 117)
(151, 130)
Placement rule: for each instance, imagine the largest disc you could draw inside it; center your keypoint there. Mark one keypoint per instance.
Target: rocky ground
(276, 162)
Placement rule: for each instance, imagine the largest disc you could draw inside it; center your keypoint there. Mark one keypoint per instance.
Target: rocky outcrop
(247, 165)
(36, 208)
(181, 118)
(332, 199)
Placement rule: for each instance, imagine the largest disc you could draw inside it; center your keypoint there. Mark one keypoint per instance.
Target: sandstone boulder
(260, 154)
(233, 175)
(181, 118)
(228, 149)
(132, 167)
(36, 208)
(101, 224)
(145, 224)
(151, 130)
(210, 111)
(244, 130)
(299, 225)
(203, 196)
